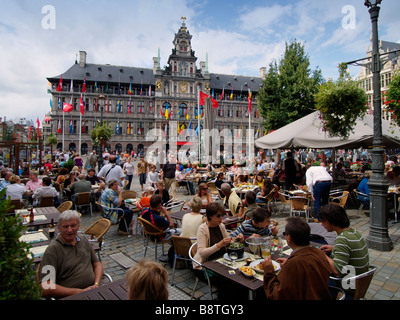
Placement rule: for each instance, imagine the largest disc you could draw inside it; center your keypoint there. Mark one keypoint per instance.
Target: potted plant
(17, 276)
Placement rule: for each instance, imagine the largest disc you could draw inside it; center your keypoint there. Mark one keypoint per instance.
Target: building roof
(121, 74)
(107, 73)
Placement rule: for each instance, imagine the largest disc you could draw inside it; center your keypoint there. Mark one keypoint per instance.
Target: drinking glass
(265, 251)
(233, 256)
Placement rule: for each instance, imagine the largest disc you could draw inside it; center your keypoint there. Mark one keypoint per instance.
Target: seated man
(249, 205)
(82, 185)
(69, 264)
(305, 274)
(257, 226)
(112, 198)
(180, 179)
(154, 215)
(231, 200)
(46, 190)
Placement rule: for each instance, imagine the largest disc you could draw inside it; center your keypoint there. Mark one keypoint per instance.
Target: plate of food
(256, 265)
(247, 271)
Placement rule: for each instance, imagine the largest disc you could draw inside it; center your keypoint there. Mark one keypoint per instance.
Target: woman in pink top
(34, 182)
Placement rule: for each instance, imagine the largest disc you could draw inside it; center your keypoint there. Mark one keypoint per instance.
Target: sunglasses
(219, 215)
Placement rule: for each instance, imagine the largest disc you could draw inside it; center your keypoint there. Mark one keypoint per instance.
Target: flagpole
(80, 132)
(198, 120)
(63, 127)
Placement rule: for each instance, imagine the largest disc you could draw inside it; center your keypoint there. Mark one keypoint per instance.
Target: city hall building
(135, 100)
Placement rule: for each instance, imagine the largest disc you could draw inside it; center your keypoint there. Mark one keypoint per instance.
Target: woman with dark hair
(350, 248)
(212, 239)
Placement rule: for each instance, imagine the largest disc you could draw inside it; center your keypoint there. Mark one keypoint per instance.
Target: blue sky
(239, 37)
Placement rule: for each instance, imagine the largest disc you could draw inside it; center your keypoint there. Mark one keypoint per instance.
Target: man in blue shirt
(112, 198)
(153, 215)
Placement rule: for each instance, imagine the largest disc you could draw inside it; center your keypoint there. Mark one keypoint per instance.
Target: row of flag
(130, 92)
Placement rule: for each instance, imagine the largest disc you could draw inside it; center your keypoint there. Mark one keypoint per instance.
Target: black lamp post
(378, 237)
(101, 103)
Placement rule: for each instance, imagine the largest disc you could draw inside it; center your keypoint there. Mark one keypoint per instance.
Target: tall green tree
(288, 91)
(340, 103)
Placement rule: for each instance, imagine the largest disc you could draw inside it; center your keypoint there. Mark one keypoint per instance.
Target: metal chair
(181, 246)
(192, 253)
(175, 204)
(299, 205)
(98, 229)
(151, 231)
(83, 200)
(269, 200)
(111, 211)
(46, 201)
(285, 200)
(362, 203)
(360, 283)
(340, 200)
(337, 293)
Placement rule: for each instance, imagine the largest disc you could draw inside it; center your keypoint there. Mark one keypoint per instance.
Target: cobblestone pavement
(384, 286)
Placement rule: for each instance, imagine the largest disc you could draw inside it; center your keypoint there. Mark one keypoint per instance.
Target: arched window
(182, 110)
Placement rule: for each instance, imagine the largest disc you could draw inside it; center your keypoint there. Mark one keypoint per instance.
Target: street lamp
(378, 237)
(101, 103)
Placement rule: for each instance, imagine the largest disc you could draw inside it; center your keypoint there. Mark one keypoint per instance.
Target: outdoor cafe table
(223, 267)
(43, 216)
(241, 191)
(40, 240)
(231, 272)
(116, 290)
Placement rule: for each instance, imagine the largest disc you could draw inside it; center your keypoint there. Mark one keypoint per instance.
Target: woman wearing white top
(15, 190)
(191, 221)
(129, 170)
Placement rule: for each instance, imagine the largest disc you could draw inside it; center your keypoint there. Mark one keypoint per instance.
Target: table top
(43, 215)
(116, 290)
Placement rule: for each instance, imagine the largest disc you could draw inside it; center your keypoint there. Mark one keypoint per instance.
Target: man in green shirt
(69, 264)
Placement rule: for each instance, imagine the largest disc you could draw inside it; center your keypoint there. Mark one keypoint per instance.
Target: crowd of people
(304, 275)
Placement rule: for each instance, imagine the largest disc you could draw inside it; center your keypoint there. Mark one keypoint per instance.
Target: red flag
(214, 103)
(59, 126)
(46, 118)
(38, 125)
(84, 85)
(82, 106)
(249, 100)
(203, 97)
(30, 131)
(222, 94)
(59, 87)
(67, 107)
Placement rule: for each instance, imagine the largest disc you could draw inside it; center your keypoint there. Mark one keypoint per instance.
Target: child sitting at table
(258, 226)
(144, 202)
